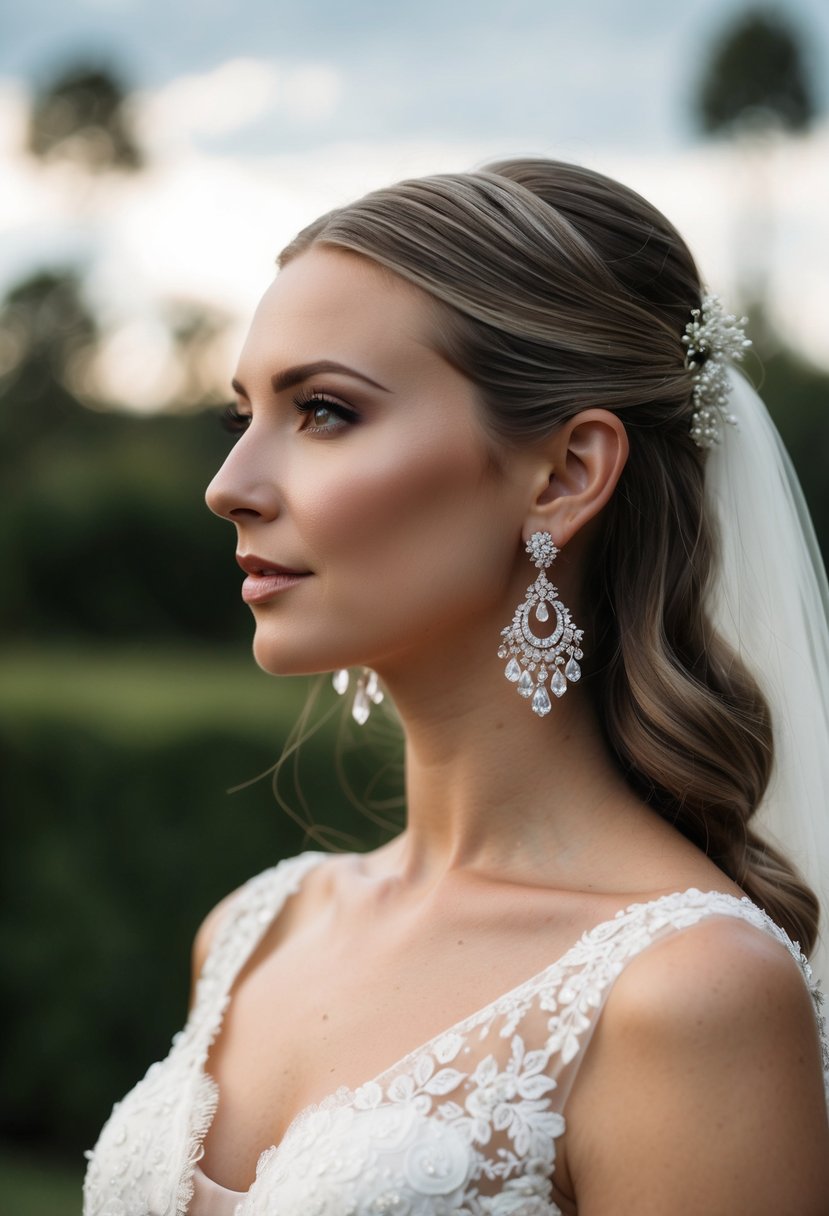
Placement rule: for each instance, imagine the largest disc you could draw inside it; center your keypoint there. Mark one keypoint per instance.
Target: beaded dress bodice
(465, 1124)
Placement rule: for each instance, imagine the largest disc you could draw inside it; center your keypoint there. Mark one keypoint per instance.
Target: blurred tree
(197, 330)
(757, 77)
(756, 89)
(83, 116)
(46, 331)
(108, 507)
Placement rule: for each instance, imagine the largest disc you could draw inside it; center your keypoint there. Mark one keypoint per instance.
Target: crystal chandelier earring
(366, 693)
(532, 658)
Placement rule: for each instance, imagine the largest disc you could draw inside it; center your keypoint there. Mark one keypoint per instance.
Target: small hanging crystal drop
(541, 701)
(373, 690)
(525, 684)
(558, 683)
(340, 680)
(361, 707)
(512, 671)
(541, 612)
(572, 671)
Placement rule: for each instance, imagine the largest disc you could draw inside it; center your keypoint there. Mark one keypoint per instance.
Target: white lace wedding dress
(465, 1124)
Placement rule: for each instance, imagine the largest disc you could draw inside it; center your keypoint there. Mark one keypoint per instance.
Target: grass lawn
(119, 691)
(32, 1186)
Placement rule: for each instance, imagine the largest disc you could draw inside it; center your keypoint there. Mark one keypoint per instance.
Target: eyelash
(231, 420)
(305, 403)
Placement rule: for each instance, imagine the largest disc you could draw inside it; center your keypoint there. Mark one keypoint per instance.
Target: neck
(490, 786)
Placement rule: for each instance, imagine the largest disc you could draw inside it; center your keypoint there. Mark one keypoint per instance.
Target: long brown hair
(562, 290)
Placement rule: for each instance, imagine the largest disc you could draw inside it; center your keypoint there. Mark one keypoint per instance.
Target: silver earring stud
(367, 691)
(532, 659)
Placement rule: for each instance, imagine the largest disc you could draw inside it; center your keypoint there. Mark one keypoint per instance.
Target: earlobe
(586, 456)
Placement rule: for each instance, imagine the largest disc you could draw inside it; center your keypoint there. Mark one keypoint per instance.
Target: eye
(325, 414)
(232, 420)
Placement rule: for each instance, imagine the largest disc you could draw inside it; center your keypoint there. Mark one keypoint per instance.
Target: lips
(265, 578)
(252, 564)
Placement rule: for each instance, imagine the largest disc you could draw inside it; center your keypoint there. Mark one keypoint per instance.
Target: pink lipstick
(265, 579)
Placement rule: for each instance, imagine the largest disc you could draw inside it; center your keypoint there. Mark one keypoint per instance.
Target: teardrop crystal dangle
(368, 691)
(374, 692)
(530, 653)
(362, 706)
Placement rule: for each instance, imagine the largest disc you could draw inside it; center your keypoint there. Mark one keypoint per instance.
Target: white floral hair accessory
(713, 338)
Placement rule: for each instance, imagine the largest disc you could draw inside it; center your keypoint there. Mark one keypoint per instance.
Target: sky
(258, 115)
(597, 72)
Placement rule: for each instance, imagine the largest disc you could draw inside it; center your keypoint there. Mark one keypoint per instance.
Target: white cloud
(799, 284)
(210, 103)
(13, 114)
(211, 226)
(19, 195)
(206, 226)
(39, 206)
(134, 365)
(311, 92)
(706, 191)
(232, 96)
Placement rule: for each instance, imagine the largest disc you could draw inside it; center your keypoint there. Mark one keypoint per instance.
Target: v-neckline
(342, 1094)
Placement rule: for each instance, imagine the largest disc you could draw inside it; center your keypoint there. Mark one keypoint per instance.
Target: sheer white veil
(770, 600)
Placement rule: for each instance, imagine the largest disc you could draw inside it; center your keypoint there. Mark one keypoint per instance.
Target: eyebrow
(295, 375)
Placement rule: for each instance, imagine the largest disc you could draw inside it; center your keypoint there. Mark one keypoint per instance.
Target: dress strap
(245, 922)
(581, 987)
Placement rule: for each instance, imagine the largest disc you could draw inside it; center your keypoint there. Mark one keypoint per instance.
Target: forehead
(332, 304)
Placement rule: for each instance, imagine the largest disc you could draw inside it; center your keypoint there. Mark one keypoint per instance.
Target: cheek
(416, 527)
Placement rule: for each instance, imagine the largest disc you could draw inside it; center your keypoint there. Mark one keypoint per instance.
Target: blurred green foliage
(30, 1187)
(129, 706)
(797, 394)
(119, 835)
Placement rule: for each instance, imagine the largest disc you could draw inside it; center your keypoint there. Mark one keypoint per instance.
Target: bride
(493, 456)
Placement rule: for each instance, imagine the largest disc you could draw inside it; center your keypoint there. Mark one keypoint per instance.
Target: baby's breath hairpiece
(712, 338)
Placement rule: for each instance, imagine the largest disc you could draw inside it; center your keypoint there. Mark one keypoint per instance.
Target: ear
(581, 466)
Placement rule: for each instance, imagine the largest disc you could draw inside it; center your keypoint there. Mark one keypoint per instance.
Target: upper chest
(473, 1111)
(330, 1000)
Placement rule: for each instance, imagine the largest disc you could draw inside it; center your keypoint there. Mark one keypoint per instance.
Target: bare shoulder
(703, 1089)
(721, 973)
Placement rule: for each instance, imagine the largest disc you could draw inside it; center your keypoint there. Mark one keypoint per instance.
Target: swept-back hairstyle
(560, 289)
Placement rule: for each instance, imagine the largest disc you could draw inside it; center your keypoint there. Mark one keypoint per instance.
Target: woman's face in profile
(362, 466)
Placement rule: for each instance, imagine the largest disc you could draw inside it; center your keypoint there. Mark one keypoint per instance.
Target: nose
(242, 489)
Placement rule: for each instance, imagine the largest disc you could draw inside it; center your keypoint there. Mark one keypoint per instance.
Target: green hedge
(116, 843)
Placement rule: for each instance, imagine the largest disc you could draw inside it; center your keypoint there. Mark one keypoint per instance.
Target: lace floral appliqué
(465, 1125)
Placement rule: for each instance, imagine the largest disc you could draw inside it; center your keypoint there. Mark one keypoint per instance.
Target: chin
(275, 663)
(277, 659)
